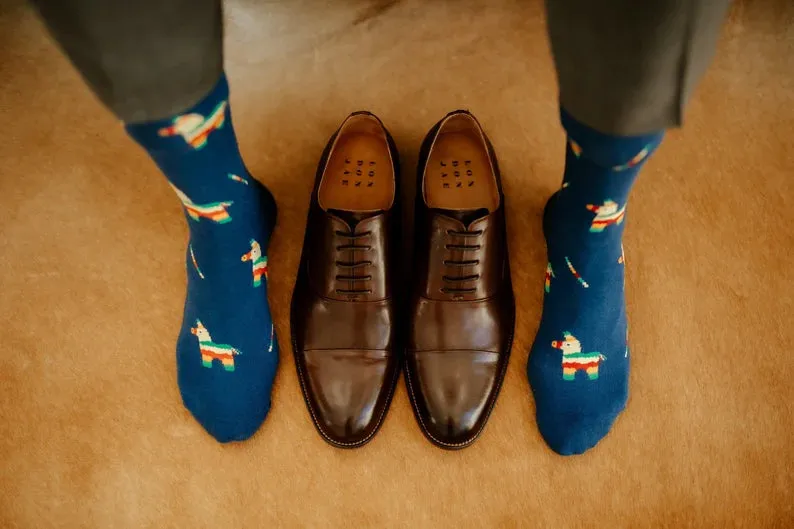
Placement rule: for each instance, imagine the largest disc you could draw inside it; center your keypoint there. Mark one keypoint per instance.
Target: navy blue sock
(579, 363)
(226, 352)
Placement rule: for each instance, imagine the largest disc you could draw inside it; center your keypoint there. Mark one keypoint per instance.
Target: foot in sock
(226, 351)
(579, 363)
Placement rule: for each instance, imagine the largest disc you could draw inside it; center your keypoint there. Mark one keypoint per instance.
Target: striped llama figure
(573, 359)
(214, 211)
(606, 214)
(195, 128)
(213, 351)
(258, 262)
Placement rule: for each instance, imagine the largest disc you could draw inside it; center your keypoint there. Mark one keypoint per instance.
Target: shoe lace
(470, 244)
(354, 264)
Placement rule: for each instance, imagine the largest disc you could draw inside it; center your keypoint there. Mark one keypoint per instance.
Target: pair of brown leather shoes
(356, 311)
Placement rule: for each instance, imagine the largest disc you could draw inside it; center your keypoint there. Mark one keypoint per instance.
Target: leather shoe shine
(343, 309)
(462, 310)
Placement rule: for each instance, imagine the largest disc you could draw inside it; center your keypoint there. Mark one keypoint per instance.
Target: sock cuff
(607, 150)
(187, 130)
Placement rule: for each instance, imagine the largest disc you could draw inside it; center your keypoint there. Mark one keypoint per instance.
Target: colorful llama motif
(236, 178)
(195, 128)
(606, 214)
(573, 359)
(214, 211)
(258, 262)
(213, 351)
(575, 273)
(195, 263)
(634, 161)
(547, 280)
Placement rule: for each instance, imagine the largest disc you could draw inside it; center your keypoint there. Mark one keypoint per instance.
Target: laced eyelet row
(475, 233)
(461, 263)
(353, 265)
(350, 291)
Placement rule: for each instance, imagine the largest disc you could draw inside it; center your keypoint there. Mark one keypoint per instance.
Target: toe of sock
(226, 424)
(230, 404)
(574, 434)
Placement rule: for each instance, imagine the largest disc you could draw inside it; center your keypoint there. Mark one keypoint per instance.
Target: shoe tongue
(466, 216)
(353, 217)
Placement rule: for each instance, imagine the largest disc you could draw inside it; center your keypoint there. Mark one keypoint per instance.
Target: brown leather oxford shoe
(343, 310)
(462, 311)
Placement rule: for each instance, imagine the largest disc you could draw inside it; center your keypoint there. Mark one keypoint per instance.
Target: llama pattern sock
(226, 352)
(579, 363)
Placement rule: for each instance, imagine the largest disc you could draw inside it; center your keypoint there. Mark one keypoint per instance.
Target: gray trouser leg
(628, 66)
(624, 66)
(145, 59)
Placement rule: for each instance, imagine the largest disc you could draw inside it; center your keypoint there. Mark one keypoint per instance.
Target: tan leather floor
(92, 241)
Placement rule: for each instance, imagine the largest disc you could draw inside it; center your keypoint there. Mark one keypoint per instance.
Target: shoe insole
(458, 174)
(359, 175)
